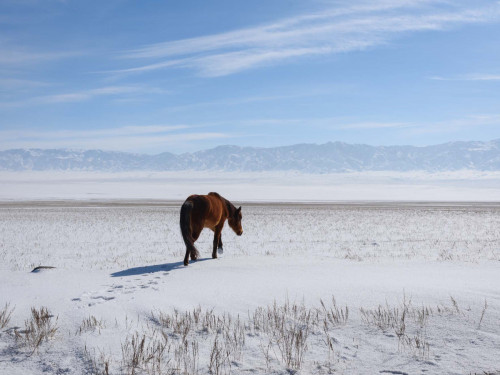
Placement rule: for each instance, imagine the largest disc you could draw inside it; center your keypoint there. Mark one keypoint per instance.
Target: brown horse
(207, 211)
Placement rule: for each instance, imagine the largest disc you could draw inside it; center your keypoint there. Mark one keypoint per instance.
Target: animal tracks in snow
(116, 290)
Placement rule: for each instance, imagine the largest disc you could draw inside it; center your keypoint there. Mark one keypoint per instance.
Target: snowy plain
(415, 284)
(465, 185)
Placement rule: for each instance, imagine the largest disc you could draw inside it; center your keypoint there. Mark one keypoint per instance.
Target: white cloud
(452, 125)
(14, 57)
(374, 125)
(332, 31)
(245, 100)
(123, 143)
(102, 91)
(343, 124)
(9, 135)
(122, 138)
(428, 127)
(469, 77)
(15, 83)
(83, 95)
(283, 32)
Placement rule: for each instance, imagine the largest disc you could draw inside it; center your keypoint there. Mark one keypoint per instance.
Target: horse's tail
(185, 222)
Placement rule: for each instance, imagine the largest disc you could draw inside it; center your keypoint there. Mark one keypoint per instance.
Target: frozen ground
(466, 185)
(420, 282)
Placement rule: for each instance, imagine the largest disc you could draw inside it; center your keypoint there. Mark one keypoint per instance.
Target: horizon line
(241, 147)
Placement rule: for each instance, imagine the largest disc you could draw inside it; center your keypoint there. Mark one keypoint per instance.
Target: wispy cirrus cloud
(469, 77)
(246, 100)
(293, 30)
(332, 123)
(102, 91)
(17, 85)
(125, 138)
(109, 132)
(374, 125)
(346, 29)
(14, 56)
(343, 124)
(83, 95)
(452, 125)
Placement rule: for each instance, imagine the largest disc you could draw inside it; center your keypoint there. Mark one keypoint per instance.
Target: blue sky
(180, 76)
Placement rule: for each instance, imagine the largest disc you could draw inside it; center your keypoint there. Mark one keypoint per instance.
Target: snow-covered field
(416, 289)
(464, 185)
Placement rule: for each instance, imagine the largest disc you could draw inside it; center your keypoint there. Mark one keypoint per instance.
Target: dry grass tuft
(184, 329)
(98, 364)
(402, 320)
(38, 328)
(287, 327)
(482, 314)
(143, 353)
(334, 315)
(5, 314)
(416, 344)
(455, 305)
(155, 353)
(91, 324)
(383, 317)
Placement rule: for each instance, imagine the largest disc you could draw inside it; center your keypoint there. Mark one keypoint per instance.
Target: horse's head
(234, 221)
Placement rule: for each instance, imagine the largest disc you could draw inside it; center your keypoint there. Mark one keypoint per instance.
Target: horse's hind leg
(194, 253)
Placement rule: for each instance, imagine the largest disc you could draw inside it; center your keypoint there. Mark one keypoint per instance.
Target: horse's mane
(230, 207)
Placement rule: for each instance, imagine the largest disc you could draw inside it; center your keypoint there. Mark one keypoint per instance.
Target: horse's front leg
(217, 235)
(220, 250)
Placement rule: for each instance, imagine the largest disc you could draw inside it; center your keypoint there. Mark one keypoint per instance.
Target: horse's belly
(210, 225)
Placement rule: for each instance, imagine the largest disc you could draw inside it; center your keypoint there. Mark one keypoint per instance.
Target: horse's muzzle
(240, 233)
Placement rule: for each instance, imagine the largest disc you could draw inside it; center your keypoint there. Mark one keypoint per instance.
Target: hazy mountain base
(311, 158)
(465, 185)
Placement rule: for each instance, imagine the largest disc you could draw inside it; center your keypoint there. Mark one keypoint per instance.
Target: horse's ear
(238, 210)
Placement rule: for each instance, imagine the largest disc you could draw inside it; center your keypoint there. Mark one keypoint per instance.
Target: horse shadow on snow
(166, 267)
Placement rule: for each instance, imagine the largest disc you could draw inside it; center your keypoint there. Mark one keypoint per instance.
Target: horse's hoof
(186, 263)
(214, 256)
(220, 250)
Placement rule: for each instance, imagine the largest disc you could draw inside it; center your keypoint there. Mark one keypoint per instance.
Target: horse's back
(205, 200)
(208, 209)
(199, 202)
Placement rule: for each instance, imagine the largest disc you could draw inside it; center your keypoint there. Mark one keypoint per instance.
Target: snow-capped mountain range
(313, 158)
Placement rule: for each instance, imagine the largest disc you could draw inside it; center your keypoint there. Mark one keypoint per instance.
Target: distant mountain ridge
(323, 158)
